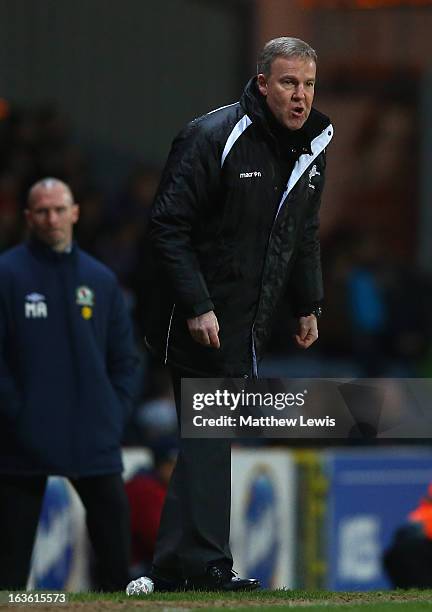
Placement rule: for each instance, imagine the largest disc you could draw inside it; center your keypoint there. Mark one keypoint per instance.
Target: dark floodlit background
(93, 92)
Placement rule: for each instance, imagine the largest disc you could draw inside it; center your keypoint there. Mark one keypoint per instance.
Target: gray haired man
(234, 227)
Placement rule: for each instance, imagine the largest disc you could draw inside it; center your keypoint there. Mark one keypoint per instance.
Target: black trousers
(195, 522)
(107, 518)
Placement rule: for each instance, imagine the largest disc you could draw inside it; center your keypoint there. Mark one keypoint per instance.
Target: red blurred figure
(422, 515)
(146, 492)
(408, 561)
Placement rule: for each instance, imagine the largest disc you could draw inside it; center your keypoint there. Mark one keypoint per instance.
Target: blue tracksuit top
(67, 363)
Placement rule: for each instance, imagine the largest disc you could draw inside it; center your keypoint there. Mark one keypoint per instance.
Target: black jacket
(230, 235)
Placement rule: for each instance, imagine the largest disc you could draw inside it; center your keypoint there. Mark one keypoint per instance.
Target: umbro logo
(255, 174)
(35, 297)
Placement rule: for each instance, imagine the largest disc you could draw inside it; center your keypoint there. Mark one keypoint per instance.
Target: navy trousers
(107, 518)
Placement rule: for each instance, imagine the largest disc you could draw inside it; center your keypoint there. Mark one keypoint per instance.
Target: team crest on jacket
(35, 306)
(313, 172)
(84, 296)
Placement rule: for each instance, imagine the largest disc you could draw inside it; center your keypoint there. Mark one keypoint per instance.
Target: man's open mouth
(298, 111)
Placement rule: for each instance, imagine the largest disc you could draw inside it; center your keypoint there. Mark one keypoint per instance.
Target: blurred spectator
(9, 210)
(382, 199)
(119, 249)
(366, 304)
(134, 204)
(92, 219)
(408, 561)
(135, 201)
(146, 492)
(155, 418)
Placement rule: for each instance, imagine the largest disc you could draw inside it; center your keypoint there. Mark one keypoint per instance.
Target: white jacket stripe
(215, 110)
(237, 131)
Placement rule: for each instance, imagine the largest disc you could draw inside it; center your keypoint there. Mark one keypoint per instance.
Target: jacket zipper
(281, 203)
(254, 357)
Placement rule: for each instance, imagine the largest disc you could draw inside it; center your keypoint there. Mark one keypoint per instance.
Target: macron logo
(255, 174)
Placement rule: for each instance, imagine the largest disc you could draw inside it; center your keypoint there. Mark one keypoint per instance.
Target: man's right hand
(204, 329)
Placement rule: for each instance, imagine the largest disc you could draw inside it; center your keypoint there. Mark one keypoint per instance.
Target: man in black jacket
(234, 227)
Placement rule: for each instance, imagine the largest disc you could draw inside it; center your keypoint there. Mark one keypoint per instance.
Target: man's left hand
(307, 331)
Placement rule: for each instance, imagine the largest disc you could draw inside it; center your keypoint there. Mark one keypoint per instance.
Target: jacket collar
(43, 251)
(255, 105)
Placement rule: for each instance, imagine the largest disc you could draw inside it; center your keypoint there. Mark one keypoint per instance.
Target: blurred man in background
(67, 366)
(234, 227)
(408, 561)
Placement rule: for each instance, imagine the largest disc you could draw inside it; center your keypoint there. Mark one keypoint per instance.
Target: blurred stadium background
(93, 92)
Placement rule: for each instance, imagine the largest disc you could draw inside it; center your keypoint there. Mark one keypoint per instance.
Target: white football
(140, 586)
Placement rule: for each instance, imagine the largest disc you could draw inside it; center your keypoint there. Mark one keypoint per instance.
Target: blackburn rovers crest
(85, 299)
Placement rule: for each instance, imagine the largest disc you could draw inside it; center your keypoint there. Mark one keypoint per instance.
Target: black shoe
(163, 585)
(221, 578)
